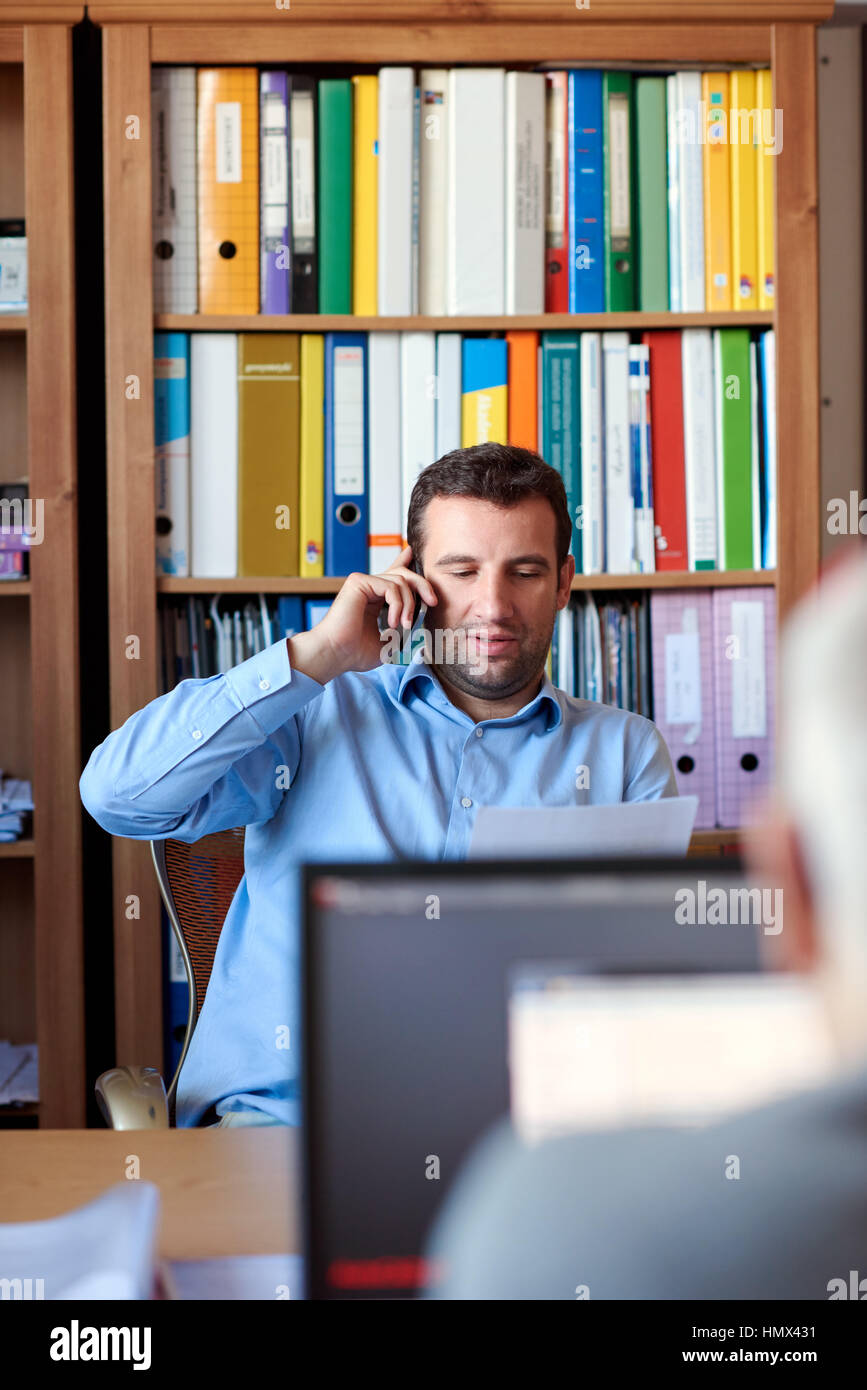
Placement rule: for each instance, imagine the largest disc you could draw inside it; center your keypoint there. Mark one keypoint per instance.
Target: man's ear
(774, 856)
(564, 587)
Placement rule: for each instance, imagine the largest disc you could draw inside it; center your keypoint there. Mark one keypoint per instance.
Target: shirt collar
(420, 674)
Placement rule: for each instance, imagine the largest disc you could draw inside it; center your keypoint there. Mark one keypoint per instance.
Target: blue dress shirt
(375, 765)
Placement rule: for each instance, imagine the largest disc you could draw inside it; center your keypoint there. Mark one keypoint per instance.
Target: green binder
(734, 448)
(617, 191)
(335, 196)
(650, 185)
(561, 422)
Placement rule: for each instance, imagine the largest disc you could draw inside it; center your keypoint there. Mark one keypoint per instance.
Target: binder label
(228, 131)
(682, 678)
(749, 696)
(348, 421)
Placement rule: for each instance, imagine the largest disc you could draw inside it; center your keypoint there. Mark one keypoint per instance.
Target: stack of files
(282, 454)
(16, 800)
(203, 637)
(601, 652)
(15, 538)
(103, 1250)
(13, 266)
(19, 1073)
(714, 655)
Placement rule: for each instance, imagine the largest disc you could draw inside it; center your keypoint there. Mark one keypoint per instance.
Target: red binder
(557, 229)
(666, 438)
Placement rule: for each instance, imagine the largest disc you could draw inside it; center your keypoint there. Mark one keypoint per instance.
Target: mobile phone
(418, 611)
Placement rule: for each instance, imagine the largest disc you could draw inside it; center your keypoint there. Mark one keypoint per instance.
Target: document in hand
(631, 828)
(104, 1250)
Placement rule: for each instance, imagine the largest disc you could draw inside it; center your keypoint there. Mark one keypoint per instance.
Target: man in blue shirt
(324, 753)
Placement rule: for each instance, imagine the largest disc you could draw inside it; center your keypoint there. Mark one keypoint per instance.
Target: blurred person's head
(815, 839)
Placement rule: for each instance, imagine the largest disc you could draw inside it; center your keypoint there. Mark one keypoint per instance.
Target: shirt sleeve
(649, 773)
(210, 754)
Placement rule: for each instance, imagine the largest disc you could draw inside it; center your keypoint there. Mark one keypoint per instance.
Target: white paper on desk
(629, 828)
(235, 1277)
(104, 1250)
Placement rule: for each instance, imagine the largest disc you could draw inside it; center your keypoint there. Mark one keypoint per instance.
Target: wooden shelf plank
(351, 323)
(14, 588)
(494, 12)
(715, 839)
(13, 323)
(271, 584)
(17, 849)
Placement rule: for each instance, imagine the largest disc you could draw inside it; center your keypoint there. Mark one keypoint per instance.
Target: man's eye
(460, 574)
(527, 574)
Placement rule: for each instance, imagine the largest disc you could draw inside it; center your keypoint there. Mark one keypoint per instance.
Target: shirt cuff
(269, 689)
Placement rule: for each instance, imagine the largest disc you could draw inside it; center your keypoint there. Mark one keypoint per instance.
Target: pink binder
(681, 630)
(744, 643)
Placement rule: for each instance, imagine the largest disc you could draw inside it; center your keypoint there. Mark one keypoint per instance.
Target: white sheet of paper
(581, 832)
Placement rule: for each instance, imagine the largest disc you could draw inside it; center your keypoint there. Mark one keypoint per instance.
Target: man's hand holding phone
(348, 638)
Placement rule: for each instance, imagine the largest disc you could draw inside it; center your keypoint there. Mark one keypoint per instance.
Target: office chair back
(197, 883)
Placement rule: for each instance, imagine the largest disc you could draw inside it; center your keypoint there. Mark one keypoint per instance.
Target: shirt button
(264, 685)
(197, 733)
(479, 733)
(465, 801)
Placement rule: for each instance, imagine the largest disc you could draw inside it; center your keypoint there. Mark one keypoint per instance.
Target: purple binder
(744, 644)
(681, 631)
(274, 184)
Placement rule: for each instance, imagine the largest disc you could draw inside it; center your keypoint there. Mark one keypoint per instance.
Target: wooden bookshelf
(514, 33)
(414, 323)
(41, 911)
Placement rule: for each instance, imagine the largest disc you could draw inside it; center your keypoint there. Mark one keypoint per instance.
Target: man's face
(495, 572)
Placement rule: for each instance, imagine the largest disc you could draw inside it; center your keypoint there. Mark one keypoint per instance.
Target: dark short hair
(503, 474)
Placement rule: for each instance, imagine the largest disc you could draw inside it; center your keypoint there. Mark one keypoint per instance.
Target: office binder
(525, 184)
(744, 643)
(173, 176)
(365, 194)
(290, 616)
(619, 519)
(346, 495)
(717, 193)
(557, 194)
(733, 415)
(766, 165)
(418, 386)
(691, 191)
(228, 185)
(589, 235)
(214, 454)
(484, 395)
(387, 520)
(681, 627)
(275, 278)
(666, 446)
(523, 351)
(651, 192)
(699, 448)
(674, 287)
(448, 393)
(395, 161)
(172, 444)
(476, 252)
(617, 190)
(302, 162)
(592, 463)
(311, 483)
(561, 422)
(744, 163)
(640, 450)
(269, 378)
(433, 186)
(768, 378)
(335, 196)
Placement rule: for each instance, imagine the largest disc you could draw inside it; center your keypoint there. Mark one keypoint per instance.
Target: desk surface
(223, 1192)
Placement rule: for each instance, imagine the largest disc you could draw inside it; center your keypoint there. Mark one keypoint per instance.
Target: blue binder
(290, 616)
(586, 210)
(346, 468)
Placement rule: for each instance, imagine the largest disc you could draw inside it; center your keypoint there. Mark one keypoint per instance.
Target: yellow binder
(744, 156)
(312, 483)
(228, 185)
(268, 401)
(765, 177)
(717, 192)
(365, 92)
